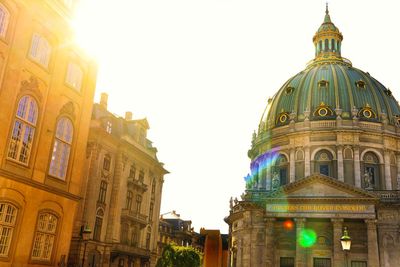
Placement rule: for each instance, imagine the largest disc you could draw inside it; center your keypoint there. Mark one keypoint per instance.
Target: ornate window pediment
(323, 110)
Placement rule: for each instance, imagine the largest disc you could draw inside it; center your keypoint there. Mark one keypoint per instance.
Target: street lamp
(84, 234)
(346, 243)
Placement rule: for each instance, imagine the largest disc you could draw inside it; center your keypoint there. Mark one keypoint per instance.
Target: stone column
(398, 170)
(307, 161)
(300, 251)
(340, 163)
(338, 255)
(269, 242)
(388, 177)
(373, 253)
(357, 174)
(292, 162)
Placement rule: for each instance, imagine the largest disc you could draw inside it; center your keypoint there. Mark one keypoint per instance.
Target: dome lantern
(327, 40)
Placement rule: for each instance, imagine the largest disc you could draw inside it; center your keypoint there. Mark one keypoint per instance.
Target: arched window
(371, 171)
(74, 76)
(281, 167)
(324, 162)
(23, 130)
(45, 236)
(8, 216)
(326, 45)
(320, 45)
(97, 225)
(333, 45)
(40, 50)
(4, 19)
(61, 148)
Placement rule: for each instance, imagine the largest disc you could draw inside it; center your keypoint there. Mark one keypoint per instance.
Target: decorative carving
(275, 181)
(68, 109)
(32, 85)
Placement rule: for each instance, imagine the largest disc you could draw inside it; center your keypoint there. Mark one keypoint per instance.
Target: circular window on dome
(289, 90)
(367, 113)
(322, 112)
(283, 118)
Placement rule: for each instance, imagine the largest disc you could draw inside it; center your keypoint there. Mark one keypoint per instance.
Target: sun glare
(90, 26)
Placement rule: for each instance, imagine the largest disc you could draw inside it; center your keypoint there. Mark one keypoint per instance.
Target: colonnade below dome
(363, 160)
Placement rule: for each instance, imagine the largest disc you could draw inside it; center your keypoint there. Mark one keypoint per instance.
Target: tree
(179, 256)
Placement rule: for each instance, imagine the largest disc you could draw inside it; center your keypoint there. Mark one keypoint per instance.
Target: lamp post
(346, 243)
(84, 234)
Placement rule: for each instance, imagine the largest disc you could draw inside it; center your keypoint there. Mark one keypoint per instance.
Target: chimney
(128, 116)
(103, 100)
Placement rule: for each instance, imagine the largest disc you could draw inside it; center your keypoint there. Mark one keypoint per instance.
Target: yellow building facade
(46, 92)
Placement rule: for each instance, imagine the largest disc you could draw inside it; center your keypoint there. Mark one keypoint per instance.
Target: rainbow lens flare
(307, 238)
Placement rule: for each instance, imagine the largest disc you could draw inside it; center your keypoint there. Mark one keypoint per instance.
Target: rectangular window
(129, 198)
(40, 50)
(282, 175)
(102, 192)
(132, 171)
(322, 262)
(8, 214)
(45, 236)
(286, 262)
(138, 203)
(141, 176)
(74, 76)
(151, 212)
(148, 237)
(107, 163)
(324, 169)
(358, 264)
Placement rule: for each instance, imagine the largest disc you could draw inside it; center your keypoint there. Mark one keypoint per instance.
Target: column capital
(300, 221)
(371, 223)
(337, 220)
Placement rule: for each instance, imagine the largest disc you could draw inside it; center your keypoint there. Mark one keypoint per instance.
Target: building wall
(28, 185)
(128, 233)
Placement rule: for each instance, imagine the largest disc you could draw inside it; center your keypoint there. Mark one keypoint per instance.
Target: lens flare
(261, 163)
(288, 225)
(307, 238)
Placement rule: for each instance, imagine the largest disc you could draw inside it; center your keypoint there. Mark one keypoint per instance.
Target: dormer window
(360, 84)
(323, 84)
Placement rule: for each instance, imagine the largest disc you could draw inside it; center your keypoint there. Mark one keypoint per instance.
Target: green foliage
(178, 256)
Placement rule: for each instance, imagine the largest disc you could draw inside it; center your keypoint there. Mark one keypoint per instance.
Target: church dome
(330, 88)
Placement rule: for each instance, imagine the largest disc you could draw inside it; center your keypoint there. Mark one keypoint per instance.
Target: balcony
(134, 216)
(392, 196)
(122, 249)
(135, 183)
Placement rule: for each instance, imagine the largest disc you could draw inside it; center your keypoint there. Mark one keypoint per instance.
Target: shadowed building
(325, 157)
(215, 252)
(46, 95)
(123, 193)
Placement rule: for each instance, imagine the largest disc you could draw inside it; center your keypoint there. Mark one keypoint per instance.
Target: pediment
(320, 186)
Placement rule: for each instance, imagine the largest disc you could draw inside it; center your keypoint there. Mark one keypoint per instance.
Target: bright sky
(202, 71)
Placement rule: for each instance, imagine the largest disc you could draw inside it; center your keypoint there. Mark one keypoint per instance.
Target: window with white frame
(23, 130)
(40, 50)
(8, 216)
(4, 19)
(74, 76)
(61, 148)
(45, 236)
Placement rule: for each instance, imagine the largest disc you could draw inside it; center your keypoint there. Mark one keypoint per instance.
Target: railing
(323, 124)
(133, 215)
(132, 250)
(370, 126)
(388, 195)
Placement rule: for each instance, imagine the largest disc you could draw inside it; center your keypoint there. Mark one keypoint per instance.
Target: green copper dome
(330, 88)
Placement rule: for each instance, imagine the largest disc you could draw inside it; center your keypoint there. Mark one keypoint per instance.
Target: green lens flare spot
(307, 238)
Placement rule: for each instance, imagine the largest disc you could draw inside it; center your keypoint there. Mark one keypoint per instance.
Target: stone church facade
(325, 157)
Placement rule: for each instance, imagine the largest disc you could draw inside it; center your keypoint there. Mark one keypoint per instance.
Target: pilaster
(340, 163)
(269, 242)
(338, 256)
(398, 170)
(292, 171)
(373, 250)
(307, 161)
(300, 251)
(357, 174)
(388, 178)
